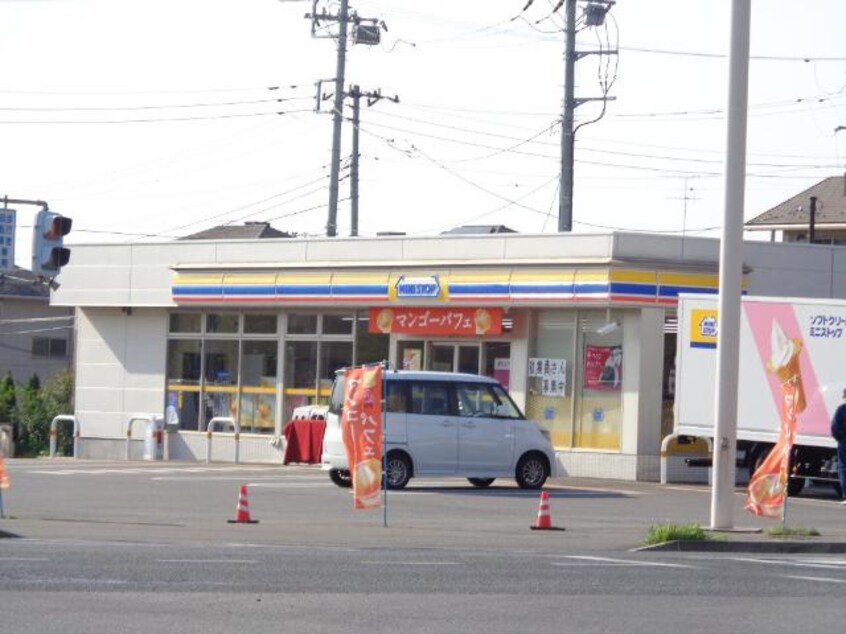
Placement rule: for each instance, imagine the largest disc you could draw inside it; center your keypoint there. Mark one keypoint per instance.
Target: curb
(747, 547)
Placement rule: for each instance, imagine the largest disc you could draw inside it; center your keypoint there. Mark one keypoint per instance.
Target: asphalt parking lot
(183, 502)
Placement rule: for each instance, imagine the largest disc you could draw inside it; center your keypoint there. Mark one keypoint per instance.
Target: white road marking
(608, 561)
(412, 563)
(823, 579)
(24, 559)
(207, 561)
(835, 564)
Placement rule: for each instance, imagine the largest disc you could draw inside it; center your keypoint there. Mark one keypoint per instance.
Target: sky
(149, 120)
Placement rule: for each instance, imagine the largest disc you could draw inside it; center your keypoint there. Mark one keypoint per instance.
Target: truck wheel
(795, 486)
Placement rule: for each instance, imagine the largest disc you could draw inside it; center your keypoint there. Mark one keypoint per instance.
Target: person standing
(838, 432)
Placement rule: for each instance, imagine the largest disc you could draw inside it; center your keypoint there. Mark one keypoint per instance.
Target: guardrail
(149, 418)
(54, 433)
(209, 430)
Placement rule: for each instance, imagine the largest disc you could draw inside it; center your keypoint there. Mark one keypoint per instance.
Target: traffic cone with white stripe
(544, 520)
(242, 511)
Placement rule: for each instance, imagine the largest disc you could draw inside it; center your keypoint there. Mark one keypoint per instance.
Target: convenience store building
(579, 327)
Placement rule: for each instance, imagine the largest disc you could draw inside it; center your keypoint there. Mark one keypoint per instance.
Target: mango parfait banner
(361, 427)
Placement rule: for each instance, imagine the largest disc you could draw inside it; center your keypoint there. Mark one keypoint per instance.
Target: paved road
(73, 586)
(147, 547)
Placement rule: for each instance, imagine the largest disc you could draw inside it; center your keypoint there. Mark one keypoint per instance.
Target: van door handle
(446, 423)
(469, 425)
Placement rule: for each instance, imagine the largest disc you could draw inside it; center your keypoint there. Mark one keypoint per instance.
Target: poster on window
(603, 367)
(552, 374)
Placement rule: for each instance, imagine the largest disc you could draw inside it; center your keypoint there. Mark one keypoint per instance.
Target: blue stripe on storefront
(673, 291)
(493, 288)
(197, 290)
(360, 289)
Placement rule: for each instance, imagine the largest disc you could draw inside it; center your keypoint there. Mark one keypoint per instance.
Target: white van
(446, 424)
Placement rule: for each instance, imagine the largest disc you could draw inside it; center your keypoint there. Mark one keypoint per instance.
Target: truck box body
(774, 332)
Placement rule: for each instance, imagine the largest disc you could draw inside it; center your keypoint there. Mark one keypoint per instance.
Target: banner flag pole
(384, 442)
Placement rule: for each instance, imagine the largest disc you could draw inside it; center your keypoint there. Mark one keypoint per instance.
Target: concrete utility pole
(595, 11)
(731, 272)
(366, 31)
(565, 190)
(372, 97)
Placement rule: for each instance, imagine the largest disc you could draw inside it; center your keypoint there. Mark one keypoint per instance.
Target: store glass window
(334, 355)
(550, 375)
(260, 324)
(222, 323)
(220, 378)
(370, 347)
(300, 376)
(302, 324)
(599, 411)
(257, 404)
(187, 323)
(338, 324)
(184, 359)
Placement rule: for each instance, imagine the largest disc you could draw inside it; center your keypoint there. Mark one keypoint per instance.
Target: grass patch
(785, 531)
(674, 532)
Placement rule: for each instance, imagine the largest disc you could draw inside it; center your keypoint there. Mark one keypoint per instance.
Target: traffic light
(48, 251)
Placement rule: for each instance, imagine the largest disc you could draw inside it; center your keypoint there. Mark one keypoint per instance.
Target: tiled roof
(831, 206)
(476, 229)
(21, 283)
(247, 231)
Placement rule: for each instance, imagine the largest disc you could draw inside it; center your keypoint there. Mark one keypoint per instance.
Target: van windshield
(336, 400)
(485, 399)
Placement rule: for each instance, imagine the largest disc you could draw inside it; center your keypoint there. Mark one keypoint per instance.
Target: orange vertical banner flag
(361, 426)
(768, 486)
(4, 475)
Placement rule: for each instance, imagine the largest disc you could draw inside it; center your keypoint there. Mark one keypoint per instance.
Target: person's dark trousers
(841, 467)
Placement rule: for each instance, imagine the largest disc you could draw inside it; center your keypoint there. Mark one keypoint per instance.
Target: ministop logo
(418, 286)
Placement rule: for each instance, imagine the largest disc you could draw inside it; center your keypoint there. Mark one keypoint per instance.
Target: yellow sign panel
(703, 328)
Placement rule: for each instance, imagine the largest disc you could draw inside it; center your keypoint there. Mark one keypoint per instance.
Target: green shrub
(674, 532)
(784, 531)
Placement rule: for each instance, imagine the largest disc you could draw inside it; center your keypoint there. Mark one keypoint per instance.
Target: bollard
(54, 433)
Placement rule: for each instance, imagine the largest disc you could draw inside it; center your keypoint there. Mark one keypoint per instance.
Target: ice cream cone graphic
(784, 363)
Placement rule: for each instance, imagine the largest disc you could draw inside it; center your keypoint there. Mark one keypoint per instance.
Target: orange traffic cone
(242, 511)
(544, 521)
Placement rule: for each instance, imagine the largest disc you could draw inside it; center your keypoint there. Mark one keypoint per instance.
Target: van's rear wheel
(532, 471)
(481, 483)
(397, 470)
(341, 477)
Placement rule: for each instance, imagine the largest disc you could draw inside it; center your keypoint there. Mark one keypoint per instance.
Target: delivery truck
(786, 344)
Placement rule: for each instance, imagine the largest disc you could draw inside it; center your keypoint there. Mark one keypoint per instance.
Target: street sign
(7, 239)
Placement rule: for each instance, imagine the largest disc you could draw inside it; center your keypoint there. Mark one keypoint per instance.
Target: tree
(7, 399)
(57, 397)
(33, 424)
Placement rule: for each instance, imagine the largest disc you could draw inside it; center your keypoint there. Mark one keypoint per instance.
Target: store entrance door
(454, 357)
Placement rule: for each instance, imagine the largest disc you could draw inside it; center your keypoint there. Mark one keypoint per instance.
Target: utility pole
(565, 190)
(367, 33)
(595, 11)
(372, 97)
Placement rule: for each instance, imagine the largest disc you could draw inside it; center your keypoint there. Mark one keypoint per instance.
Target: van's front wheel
(397, 470)
(532, 471)
(341, 477)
